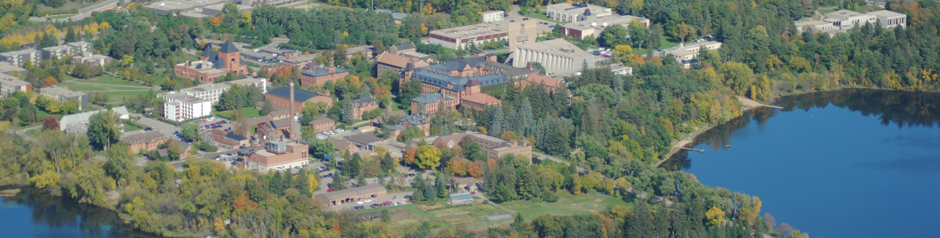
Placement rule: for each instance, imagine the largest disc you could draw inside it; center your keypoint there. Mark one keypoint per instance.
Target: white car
(369, 200)
(340, 130)
(359, 202)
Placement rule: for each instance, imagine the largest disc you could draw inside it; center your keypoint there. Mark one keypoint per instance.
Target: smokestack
(291, 120)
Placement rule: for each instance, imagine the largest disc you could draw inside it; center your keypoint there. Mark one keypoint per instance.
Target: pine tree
(528, 122)
(267, 108)
(365, 92)
(618, 88)
(497, 122)
(441, 186)
(347, 112)
(70, 35)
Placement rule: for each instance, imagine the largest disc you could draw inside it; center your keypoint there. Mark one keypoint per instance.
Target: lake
(35, 213)
(849, 163)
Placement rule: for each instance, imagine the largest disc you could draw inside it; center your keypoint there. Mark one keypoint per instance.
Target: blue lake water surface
(34, 213)
(851, 163)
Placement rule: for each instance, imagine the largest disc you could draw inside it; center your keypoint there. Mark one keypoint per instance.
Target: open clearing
(567, 204)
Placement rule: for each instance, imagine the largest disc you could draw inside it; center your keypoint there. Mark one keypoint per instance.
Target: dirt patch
(426, 207)
(598, 200)
(393, 213)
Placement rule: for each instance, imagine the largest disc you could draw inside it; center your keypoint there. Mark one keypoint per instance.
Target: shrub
(550, 197)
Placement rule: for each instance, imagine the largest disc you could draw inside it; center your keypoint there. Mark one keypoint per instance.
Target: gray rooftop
(560, 47)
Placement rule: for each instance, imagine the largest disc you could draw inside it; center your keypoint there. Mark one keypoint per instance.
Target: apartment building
(213, 91)
(181, 106)
(10, 84)
(20, 57)
(11, 69)
(493, 16)
(64, 95)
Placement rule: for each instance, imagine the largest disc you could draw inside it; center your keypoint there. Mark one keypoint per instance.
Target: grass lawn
(824, 11)
(42, 115)
(567, 205)
(115, 88)
(131, 127)
(248, 112)
(56, 17)
(663, 43)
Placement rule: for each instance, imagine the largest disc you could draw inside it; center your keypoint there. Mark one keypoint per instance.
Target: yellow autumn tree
(715, 216)
(427, 157)
(312, 183)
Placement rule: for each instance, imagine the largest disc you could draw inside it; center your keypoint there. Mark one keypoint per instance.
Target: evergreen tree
(71, 36)
(388, 163)
(365, 92)
(266, 108)
(49, 40)
(347, 112)
(276, 184)
(340, 181)
(360, 180)
(430, 192)
(441, 186)
(386, 218)
(525, 113)
(640, 224)
(496, 124)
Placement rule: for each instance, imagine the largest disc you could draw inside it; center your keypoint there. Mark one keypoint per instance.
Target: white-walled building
(890, 19)
(557, 56)
(493, 16)
(575, 12)
(686, 54)
(594, 27)
(10, 84)
(20, 57)
(181, 106)
(473, 34)
(213, 91)
(843, 20)
(815, 25)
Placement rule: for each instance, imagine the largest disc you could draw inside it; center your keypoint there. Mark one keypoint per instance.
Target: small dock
(692, 149)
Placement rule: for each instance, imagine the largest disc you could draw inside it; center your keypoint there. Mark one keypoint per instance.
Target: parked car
(359, 202)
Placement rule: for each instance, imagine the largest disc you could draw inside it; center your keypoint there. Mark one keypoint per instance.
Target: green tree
(120, 164)
(497, 123)
(386, 218)
(190, 131)
(614, 35)
(427, 157)
(267, 108)
(103, 129)
(347, 112)
(71, 36)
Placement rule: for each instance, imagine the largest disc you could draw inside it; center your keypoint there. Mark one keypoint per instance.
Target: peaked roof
(300, 95)
(415, 119)
(228, 47)
(207, 52)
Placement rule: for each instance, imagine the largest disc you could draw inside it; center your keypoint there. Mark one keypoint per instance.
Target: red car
(329, 190)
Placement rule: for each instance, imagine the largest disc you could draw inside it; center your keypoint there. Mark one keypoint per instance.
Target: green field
(128, 127)
(56, 17)
(567, 204)
(115, 88)
(42, 115)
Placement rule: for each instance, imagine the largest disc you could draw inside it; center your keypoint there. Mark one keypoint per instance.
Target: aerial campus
(285, 118)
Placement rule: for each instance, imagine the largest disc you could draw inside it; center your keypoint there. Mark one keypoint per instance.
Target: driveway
(162, 127)
(392, 197)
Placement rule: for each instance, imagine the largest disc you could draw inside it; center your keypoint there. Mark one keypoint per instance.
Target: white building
(621, 70)
(78, 123)
(10, 84)
(594, 27)
(493, 16)
(20, 57)
(815, 25)
(686, 54)
(890, 19)
(846, 18)
(212, 91)
(575, 12)
(472, 34)
(181, 106)
(556, 56)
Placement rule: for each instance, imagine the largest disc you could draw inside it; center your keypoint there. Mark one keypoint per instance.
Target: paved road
(162, 127)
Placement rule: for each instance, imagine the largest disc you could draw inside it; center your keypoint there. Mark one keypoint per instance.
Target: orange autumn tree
(475, 169)
(410, 155)
(458, 166)
(51, 81)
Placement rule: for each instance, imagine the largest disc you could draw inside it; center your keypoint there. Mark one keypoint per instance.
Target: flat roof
(472, 31)
(182, 97)
(353, 192)
(557, 47)
(579, 9)
(604, 22)
(492, 11)
(55, 89)
(7, 67)
(886, 13)
(843, 14)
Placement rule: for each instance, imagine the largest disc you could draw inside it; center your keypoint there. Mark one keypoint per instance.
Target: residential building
(459, 198)
(279, 155)
(363, 105)
(20, 57)
(494, 147)
(322, 124)
(91, 60)
(319, 75)
(281, 97)
(548, 83)
(78, 123)
(213, 91)
(621, 69)
(342, 145)
(62, 94)
(12, 69)
(421, 121)
(391, 62)
(363, 140)
(463, 36)
(431, 102)
(890, 19)
(82, 48)
(594, 27)
(492, 15)
(352, 195)
(212, 65)
(182, 106)
(10, 84)
(145, 141)
(403, 47)
(397, 16)
(686, 54)
(574, 12)
(556, 56)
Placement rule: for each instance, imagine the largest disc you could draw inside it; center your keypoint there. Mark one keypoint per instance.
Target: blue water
(831, 172)
(33, 213)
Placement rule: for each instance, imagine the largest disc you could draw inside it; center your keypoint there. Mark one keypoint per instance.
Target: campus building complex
(180, 106)
(64, 95)
(557, 56)
(575, 12)
(212, 65)
(462, 37)
(583, 29)
(687, 54)
(213, 91)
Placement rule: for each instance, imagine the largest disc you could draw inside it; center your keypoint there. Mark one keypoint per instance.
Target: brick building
(458, 79)
(322, 124)
(319, 75)
(281, 97)
(431, 103)
(363, 105)
(546, 82)
(279, 155)
(418, 120)
(212, 65)
(145, 141)
(494, 147)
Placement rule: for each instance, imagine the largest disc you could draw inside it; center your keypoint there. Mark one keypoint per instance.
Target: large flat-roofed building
(212, 65)
(575, 12)
(890, 19)
(494, 147)
(594, 27)
(213, 91)
(64, 95)
(557, 56)
(686, 54)
(81, 48)
(815, 25)
(847, 18)
(91, 60)
(145, 141)
(20, 57)
(522, 32)
(12, 69)
(10, 84)
(78, 122)
(463, 36)
(279, 155)
(492, 15)
(352, 195)
(181, 106)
